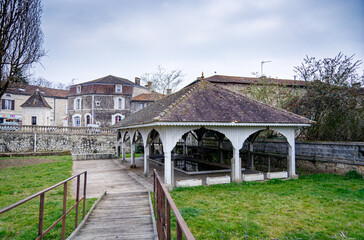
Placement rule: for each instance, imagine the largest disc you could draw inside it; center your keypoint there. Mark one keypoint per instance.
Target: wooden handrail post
(161, 199)
(168, 221)
(64, 211)
(77, 199)
(84, 195)
(41, 216)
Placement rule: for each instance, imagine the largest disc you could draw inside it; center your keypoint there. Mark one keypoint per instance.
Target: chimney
(169, 91)
(149, 85)
(137, 80)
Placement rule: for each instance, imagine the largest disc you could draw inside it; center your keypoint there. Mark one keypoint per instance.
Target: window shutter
(12, 104)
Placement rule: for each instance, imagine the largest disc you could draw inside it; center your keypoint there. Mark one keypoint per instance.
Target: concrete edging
(75, 232)
(153, 217)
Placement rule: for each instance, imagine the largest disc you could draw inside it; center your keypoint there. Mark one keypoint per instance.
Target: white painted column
(237, 166)
(291, 168)
(146, 162)
(168, 169)
(123, 151)
(132, 155)
(232, 168)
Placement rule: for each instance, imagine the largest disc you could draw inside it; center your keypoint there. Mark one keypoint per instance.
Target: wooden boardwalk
(124, 212)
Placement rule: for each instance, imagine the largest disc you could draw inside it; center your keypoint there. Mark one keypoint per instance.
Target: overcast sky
(88, 39)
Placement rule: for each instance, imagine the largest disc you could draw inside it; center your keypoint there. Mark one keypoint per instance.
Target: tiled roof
(30, 89)
(36, 100)
(222, 79)
(109, 80)
(206, 102)
(148, 97)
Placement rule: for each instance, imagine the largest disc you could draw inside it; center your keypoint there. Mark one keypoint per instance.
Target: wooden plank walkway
(124, 212)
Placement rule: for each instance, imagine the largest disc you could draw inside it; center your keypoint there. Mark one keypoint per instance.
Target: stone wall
(333, 157)
(49, 142)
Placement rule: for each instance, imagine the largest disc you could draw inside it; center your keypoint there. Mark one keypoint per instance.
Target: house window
(88, 119)
(77, 121)
(121, 103)
(8, 104)
(116, 118)
(78, 89)
(141, 106)
(78, 103)
(118, 88)
(34, 120)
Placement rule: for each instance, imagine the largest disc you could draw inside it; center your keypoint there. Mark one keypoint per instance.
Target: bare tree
(339, 71)
(21, 40)
(40, 81)
(163, 80)
(60, 86)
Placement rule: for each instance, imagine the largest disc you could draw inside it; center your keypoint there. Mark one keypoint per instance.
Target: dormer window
(118, 88)
(78, 89)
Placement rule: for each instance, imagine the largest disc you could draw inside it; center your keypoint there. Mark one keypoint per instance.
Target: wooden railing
(65, 212)
(163, 203)
(56, 129)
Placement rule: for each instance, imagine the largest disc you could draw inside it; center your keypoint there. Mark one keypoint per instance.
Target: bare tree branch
(21, 40)
(163, 80)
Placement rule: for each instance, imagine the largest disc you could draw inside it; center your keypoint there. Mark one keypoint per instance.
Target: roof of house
(36, 100)
(110, 79)
(148, 97)
(222, 79)
(30, 89)
(206, 102)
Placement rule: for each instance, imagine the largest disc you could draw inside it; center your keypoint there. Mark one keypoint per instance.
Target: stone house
(104, 101)
(11, 109)
(272, 91)
(141, 101)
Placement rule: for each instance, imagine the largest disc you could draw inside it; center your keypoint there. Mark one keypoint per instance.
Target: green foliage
(18, 183)
(332, 100)
(353, 175)
(270, 92)
(320, 206)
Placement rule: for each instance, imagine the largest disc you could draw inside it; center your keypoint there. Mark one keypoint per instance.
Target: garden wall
(333, 157)
(50, 142)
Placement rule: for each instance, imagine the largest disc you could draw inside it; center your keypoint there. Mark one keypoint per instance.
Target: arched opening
(76, 120)
(267, 151)
(87, 119)
(199, 153)
(202, 150)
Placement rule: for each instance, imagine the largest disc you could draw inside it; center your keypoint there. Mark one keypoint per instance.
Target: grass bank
(20, 182)
(321, 206)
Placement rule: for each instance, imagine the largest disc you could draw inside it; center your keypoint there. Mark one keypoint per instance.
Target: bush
(353, 175)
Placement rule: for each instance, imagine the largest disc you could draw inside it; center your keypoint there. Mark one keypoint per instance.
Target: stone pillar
(123, 151)
(221, 158)
(184, 147)
(168, 169)
(291, 162)
(118, 151)
(236, 167)
(146, 162)
(250, 163)
(132, 155)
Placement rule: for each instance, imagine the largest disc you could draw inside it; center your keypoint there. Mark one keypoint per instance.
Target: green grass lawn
(321, 206)
(18, 183)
